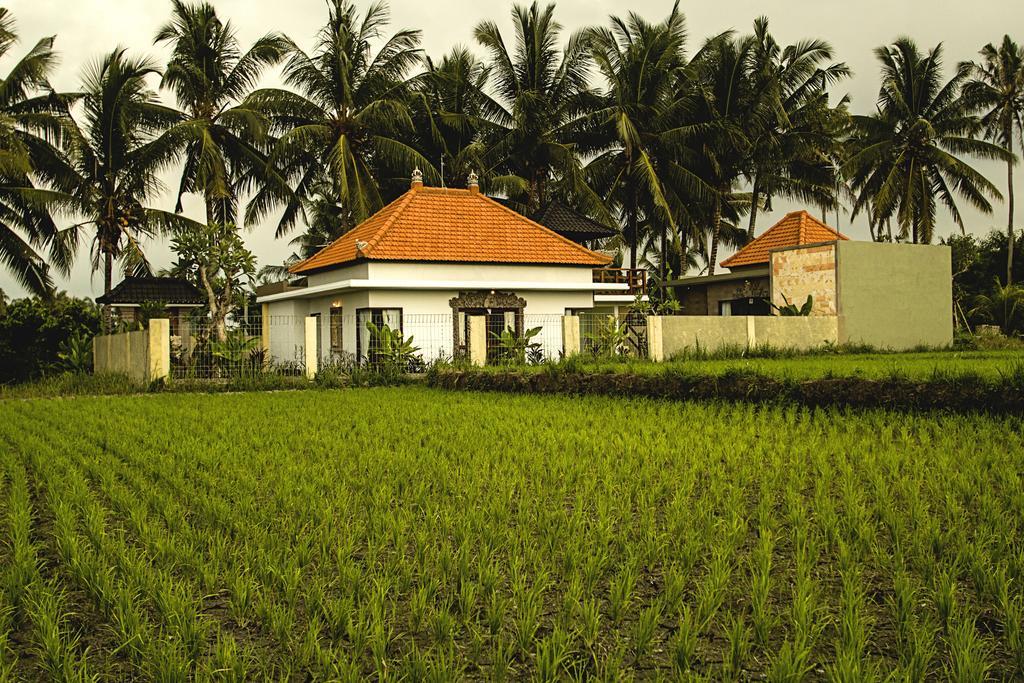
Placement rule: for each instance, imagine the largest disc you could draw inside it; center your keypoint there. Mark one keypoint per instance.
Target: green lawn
(414, 533)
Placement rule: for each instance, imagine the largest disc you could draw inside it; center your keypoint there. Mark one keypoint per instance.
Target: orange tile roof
(448, 225)
(796, 228)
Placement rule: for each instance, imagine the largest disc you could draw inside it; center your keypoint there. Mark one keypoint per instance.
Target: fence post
(570, 335)
(655, 341)
(185, 332)
(751, 333)
(478, 340)
(265, 331)
(158, 355)
(310, 347)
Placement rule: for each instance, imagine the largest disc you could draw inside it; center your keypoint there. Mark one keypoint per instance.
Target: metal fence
(613, 336)
(288, 344)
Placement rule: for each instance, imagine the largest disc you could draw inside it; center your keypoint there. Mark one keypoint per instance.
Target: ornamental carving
(486, 300)
(750, 290)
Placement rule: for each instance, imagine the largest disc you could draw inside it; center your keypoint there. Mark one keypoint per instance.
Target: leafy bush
(391, 354)
(609, 339)
(514, 349)
(33, 332)
(790, 309)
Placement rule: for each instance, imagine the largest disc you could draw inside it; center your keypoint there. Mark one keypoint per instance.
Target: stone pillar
(570, 335)
(312, 361)
(265, 330)
(477, 340)
(159, 352)
(655, 339)
(751, 333)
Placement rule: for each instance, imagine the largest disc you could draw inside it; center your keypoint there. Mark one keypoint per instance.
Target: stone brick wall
(806, 271)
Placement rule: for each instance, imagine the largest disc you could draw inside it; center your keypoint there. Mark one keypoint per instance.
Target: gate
(635, 324)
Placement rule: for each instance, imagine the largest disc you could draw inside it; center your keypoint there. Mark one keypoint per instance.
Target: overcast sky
(86, 29)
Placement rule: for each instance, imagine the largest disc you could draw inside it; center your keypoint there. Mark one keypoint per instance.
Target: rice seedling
(449, 536)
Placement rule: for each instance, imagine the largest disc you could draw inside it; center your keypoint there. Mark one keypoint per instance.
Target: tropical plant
(346, 123)
(116, 155)
(237, 351)
(794, 144)
(642, 65)
(209, 75)
(75, 353)
(790, 309)
(33, 122)
(448, 113)
(540, 95)
(515, 349)
(34, 331)
(997, 87)
(908, 155)
(609, 338)
(391, 353)
(215, 257)
(725, 115)
(1003, 306)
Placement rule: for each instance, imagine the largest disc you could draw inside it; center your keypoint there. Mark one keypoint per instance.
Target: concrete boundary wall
(143, 355)
(668, 336)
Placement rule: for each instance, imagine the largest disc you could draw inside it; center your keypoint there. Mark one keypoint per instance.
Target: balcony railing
(634, 278)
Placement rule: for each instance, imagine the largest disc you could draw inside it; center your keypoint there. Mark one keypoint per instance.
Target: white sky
(86, 29)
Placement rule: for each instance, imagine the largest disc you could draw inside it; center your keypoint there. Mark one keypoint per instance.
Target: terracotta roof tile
(448, 225)
(796, 228)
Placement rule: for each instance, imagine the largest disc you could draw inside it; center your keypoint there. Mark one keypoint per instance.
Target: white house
(424, 263)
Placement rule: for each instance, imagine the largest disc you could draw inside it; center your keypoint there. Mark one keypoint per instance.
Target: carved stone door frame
(483, 301)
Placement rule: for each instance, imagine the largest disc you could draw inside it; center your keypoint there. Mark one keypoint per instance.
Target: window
(392, 317)
(750, 306)
(336, 330)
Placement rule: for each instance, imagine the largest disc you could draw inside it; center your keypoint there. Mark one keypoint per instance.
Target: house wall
(711, 333)
(805, 271)
(895, 296)
(426, 313)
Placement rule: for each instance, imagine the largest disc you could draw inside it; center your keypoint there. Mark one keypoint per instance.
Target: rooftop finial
(474, 182)
(417, 178)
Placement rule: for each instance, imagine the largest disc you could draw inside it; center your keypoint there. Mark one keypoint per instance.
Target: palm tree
(209, 75)
(33, 122)
(909, 153)
(540, 96)
(1003, 307)
(997, 85)
(726, 112)
(347, 123)
(448, 106)
(792, 151)
(117, 154)
(642, 65)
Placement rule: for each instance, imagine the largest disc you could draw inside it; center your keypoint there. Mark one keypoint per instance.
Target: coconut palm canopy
(678, 142)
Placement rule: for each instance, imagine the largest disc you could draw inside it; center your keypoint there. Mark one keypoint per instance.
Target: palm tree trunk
(755, 196)
(716, 228)
(664, 252)
(108, 274)
(634, 238)
(1009, 223)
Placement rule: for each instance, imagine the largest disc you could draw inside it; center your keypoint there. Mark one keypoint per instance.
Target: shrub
(33, 330)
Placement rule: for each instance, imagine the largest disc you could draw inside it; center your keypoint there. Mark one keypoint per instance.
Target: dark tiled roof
(571, 223)
(167, 290)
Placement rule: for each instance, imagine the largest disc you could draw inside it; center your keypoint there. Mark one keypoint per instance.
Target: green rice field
(416, 534)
